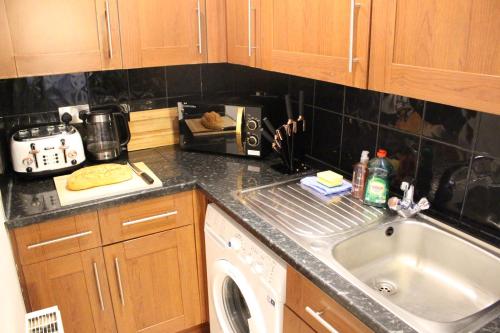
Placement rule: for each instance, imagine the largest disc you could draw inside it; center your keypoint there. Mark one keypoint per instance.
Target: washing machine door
(235, 301)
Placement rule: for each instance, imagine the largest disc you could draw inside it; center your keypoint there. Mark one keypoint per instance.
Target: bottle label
(376, 190)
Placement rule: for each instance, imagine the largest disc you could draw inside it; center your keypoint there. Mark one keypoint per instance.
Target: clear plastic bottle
(359, 176)
(377, 184)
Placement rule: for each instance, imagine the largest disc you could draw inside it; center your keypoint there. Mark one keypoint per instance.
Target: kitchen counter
(29, 202)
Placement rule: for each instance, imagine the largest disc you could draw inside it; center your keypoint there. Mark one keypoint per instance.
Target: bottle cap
(381, 153)
(364, 156)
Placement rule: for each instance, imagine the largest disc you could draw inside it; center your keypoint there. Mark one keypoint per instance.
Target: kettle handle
(124, 120)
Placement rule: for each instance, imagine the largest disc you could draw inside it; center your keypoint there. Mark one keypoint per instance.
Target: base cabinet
(77, 284)
(293, 324)
(153, 281)
(146, 280)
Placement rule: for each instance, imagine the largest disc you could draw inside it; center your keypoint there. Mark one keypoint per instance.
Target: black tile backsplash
(453, 153)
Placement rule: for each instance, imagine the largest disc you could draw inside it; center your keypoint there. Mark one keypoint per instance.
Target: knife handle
(267, 136)
(268, 125)
(147, 178)
(288, 104)
(301, 103)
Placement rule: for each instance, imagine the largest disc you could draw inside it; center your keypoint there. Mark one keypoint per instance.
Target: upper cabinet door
(7, 63)
(320, 39)
(61, 36)
(444, 51)
(243, 32)
(162, 32)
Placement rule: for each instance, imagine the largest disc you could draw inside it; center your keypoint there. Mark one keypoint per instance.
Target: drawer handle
(58, 240)
(324, 323)
(149, 218)
(98, 284)
(119, 278)
(354, 5)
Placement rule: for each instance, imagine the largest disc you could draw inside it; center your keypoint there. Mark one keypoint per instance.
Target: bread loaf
(98, 175)
(212, 120)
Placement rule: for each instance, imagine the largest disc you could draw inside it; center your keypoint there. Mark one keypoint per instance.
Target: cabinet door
(162, 32)
(7, 64)
(78, 285)
(444, 51)
(293, 324)
(153, 281)
(243, 32)
(61, 36)
(320, 39)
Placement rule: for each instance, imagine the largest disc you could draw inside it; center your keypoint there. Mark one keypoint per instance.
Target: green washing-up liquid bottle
(377, 183)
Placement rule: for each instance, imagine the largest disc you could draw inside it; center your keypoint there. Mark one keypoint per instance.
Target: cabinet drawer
(293, 323)
(316, 308)
(56, 238)
(146, 217)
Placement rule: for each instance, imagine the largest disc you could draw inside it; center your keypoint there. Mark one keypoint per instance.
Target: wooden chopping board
(196, 127)
(67, 197)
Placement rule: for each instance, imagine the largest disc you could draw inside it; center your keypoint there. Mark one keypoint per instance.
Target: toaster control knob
(253, 141)
(29, 169)
(73, 162)
(27, 161)
(252, 124)
(72, 154)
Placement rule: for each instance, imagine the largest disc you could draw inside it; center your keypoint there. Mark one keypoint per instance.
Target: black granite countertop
(220, 177)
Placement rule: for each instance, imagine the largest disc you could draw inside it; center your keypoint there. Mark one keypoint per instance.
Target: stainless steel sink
(432, 276)
(426, 271)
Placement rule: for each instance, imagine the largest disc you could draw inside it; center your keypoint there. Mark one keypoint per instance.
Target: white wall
(12, 308)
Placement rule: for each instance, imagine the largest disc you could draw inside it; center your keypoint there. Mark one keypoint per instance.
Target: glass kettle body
(107, 132)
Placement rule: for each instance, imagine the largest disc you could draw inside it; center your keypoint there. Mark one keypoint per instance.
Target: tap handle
(405, 186)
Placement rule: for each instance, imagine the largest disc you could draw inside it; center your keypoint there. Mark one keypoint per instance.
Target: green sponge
(330, 178)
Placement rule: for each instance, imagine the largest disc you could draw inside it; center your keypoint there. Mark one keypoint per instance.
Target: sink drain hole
(385, 288)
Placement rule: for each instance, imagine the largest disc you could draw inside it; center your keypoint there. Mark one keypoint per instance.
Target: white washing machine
(246, 281)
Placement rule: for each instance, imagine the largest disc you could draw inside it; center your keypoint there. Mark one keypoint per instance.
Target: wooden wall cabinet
(243, 32)
(161, 33)
(150, 278)
(441, 51)
(314, 39)
(60, 36)
(7, 62)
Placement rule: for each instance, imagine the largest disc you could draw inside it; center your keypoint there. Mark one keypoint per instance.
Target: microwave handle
(123, 119)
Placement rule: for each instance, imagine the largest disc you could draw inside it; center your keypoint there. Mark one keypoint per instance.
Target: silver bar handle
(198, 10)
(58, 240)
(119, 278)
(149, 218)
(98, 284)
(108, 26)
(324, 323)
(354, 5)
(249, 28)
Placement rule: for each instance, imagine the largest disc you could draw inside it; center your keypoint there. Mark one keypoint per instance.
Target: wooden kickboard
(67, 197)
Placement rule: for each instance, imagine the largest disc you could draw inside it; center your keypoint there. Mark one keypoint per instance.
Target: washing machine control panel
(262, 262)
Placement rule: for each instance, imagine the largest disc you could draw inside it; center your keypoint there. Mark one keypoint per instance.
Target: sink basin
(426, 271)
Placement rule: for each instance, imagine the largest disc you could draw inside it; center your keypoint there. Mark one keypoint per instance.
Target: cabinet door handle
(354, 5)
(250, 10)
(108, 27)
(119, 278)
(198, 10)
(58, 240)
(149, 218)
(324, 323)
(98, 284)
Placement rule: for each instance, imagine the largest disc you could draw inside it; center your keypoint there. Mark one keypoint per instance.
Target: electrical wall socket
(74, 111)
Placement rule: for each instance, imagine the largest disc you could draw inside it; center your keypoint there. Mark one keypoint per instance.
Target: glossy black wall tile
(402, 152)
(147, 83)
(402, 113)
(329, 96)
(217, 79)
(357, 135)
(487, 135)
(362, 104)
(108, 87)
(482, 206)
(327, 133)
(184, 80)
(296, 84)
(442, 176)
(450, 124)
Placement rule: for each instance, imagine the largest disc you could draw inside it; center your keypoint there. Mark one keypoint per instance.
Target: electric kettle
(107, 132)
